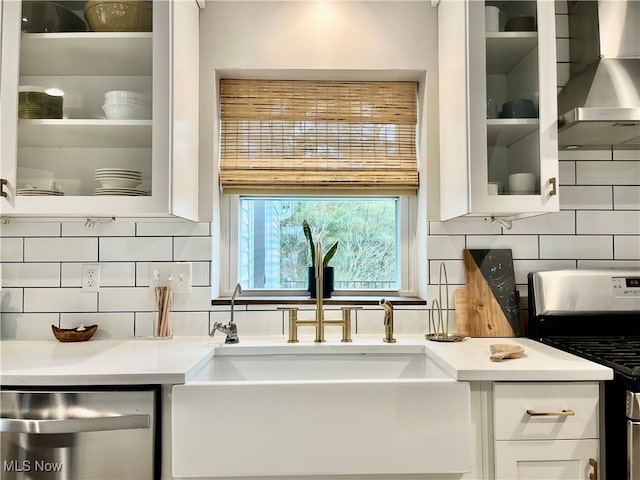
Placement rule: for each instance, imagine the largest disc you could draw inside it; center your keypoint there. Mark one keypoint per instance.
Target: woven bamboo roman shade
(329, 137)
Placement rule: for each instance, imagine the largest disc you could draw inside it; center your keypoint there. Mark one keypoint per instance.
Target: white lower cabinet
(546, 430)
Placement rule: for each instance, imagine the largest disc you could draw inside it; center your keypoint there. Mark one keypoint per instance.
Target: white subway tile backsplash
(98, 228)
(523, 267)
(561, 8)
(172, 229)
(12, 249)
(445, 246)
(562, 26)
(250, 323)
(566, 174)
(131, 249)
(121, 274)
(583, 155)
(627, 247)
(618, 222)
(60, 249)
(110, 325)
(464, 226)
(371, 322)
(198, 299)
(30, 275)
(28, 326)
(11, 300)
(626, 197)
(117, 274)
(608, 173)
(586, 197)
(626, 155)
(201, 274)
(563, 73)
(59, 300)
(550, 223)
(576, 247)
(122, 299)
(187, 249)
(190, 323)
(562, 50)
(31, 229)
(598, 227)
(606, 264)
(521, 246)
(454, 268)
(143, 324)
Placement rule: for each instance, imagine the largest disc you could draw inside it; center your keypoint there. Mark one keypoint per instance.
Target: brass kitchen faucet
(319, 322)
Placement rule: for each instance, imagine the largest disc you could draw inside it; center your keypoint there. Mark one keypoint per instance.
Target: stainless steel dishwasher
(82, 434)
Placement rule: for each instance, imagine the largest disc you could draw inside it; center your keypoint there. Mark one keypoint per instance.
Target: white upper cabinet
(498, 113)
(49, 164)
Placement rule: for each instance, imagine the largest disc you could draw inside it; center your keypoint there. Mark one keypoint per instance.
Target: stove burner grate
(620, 353)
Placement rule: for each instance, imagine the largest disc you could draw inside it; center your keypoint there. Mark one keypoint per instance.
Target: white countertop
(469, 360)
(177, 360)
(103, 362)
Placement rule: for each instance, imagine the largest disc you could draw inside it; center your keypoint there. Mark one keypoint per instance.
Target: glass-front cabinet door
(511, 103)
(85, 108)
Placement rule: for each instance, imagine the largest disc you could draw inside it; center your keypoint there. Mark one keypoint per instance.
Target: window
(341, 155)
(269, 254)
(274, 253)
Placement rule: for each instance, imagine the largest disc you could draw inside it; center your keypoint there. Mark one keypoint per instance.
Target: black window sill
(305, 300)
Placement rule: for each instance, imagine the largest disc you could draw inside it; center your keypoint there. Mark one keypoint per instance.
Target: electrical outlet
(90, 277)
(174, 274)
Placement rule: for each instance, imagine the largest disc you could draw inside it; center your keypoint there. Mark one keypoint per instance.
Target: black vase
(327, 282)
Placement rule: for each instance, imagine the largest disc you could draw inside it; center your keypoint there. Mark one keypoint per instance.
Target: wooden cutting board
(460, 302)
(492, 308)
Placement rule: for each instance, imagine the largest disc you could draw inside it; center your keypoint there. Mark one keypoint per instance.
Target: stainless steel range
(595, 314)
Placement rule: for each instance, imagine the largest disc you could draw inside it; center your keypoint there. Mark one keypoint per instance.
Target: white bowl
(126, 111)
(115, 182)
(524, 183)
(124, 96)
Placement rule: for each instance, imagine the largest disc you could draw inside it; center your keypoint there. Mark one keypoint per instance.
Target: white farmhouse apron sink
(320, 409)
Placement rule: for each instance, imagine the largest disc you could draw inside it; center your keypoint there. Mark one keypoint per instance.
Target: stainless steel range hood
(600, 105)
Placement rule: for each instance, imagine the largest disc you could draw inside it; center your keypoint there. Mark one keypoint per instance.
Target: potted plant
(327, 271)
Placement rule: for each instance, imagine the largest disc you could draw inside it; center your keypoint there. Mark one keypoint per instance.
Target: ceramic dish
(120, 16)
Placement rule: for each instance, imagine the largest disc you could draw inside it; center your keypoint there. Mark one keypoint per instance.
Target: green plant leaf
(329, 255)
(312, 248)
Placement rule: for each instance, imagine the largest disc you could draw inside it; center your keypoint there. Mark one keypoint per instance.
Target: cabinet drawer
(545, 410)
(551, 460)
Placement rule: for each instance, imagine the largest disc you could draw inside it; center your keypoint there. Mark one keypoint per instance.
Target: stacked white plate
(36, 192)
(118, 181)
(128, 192)
(126, 105)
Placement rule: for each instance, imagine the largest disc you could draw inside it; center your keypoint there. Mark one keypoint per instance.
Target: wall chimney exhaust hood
(600, 105)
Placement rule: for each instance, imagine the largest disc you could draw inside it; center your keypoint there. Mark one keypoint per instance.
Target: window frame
(407, 251)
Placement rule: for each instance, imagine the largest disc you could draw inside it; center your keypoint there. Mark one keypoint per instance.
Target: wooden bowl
(73, 334)
(501, 351)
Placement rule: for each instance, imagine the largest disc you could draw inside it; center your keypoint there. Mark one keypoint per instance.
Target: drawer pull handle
(554, 187)
(593, 475)
(563, 413)
(3, 182)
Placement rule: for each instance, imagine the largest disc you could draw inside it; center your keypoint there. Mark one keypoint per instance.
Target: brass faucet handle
(293, 323)
(346, 322)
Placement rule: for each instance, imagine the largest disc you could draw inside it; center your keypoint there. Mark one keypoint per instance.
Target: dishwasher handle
(75, 425)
